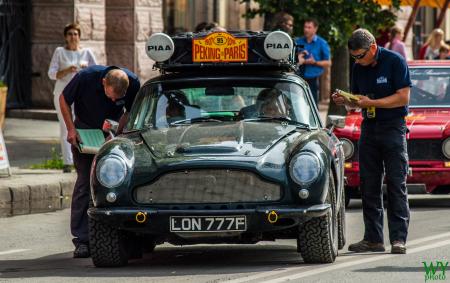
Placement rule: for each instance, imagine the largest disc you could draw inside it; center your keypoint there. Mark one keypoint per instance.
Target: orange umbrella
(428, 3)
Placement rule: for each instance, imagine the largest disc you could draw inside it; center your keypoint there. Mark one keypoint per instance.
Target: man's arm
(323, 63)
(72, 135)
(122, 122)
(398, 99)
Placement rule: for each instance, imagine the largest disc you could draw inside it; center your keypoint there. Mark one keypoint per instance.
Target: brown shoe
(398, 247)
(366, 246)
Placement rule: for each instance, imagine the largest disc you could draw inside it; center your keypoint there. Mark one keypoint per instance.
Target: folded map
(347, 95)
(91, 140)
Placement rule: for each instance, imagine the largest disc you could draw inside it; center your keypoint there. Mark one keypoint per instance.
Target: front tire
(107, 245)
(318, 238)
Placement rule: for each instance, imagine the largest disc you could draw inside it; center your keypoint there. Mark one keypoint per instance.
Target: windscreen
(164, 105)
(431, 87)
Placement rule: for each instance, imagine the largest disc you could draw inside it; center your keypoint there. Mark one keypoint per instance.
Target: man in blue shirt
(382, 77)
(98, 93)
(316, 55)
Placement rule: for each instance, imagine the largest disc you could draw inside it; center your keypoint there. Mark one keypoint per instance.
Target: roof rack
(233, 49)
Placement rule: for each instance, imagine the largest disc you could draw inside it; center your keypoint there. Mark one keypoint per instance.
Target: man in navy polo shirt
(316, 55)
(382, 78)
(98, 93)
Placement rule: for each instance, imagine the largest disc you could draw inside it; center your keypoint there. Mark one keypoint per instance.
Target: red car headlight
(348, 148)
(446, 148)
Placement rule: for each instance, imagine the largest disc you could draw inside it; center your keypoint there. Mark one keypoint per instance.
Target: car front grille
(425, 150)
(417, 150)
(208, 186)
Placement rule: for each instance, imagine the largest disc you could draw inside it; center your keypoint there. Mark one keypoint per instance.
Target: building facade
(116, 31)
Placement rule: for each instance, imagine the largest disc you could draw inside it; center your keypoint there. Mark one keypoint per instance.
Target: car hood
(428, 123)
(211, 138)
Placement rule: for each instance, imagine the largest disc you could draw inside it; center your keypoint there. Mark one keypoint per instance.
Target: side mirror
(336, 121)
(110, 126)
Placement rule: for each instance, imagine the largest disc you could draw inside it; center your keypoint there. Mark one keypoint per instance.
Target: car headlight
(304, 168)
(348, 148)
(446, 148)
(111, 171)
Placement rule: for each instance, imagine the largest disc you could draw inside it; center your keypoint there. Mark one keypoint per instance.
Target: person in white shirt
(65, 63)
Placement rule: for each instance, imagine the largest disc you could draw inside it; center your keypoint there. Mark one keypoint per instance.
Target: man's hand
(342, 101)
(364, 102)
(72, 137)
(301, 58)
(310, 60)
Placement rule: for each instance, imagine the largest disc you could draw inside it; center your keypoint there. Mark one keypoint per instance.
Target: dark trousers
(382, 151)
(314, 85)
(80, 197)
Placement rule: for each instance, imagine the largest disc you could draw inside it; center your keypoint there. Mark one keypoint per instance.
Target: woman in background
(65, 63)
(395, 42)
(434, 42)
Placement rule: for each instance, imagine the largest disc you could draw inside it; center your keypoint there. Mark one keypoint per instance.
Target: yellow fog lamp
(447, 164)
(272, 217)
(278, 45)
(347, 165)
(159, 47)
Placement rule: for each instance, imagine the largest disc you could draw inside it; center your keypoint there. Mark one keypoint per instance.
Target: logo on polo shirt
(120, 102)
(382, 80)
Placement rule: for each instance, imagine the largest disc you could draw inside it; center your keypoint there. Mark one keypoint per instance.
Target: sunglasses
(359, 56)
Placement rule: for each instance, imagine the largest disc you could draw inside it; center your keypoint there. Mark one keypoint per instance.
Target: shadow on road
(415, 202)
(163, 262)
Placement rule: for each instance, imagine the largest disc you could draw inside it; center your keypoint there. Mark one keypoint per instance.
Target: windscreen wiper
(194, 120)
(282, 119)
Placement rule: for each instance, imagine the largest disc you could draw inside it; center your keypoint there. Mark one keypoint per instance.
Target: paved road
(37, 248)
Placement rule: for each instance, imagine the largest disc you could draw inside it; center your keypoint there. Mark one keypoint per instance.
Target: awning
(423, 3)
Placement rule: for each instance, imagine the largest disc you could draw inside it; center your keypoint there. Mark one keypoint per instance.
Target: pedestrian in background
(395, 42)
(433, 43)
(317, 55)
(98, 93)
(283, 21)
(383, 76)
(443, 53)
(66, 62)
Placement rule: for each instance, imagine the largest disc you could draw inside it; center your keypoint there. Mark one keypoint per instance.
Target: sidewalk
(27, 191)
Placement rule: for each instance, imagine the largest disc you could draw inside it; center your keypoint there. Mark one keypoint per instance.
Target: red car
(428, 139)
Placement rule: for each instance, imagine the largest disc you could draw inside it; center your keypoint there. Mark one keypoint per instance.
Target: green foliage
(337, 18)
(55, 162)
(2, 84)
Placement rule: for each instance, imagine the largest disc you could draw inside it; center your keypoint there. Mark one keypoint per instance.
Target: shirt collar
(377, 56)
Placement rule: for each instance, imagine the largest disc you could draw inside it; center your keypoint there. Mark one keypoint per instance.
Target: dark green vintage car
(219, 155)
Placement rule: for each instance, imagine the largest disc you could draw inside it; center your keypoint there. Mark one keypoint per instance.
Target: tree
(337, 20)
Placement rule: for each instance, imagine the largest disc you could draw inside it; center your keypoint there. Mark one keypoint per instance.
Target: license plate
(208, 223)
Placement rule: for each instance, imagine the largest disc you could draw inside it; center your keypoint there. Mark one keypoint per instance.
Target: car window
(431, 87)
(171, 103)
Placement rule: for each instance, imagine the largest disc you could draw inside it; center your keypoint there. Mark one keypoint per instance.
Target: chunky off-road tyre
(318, 238)
(341, 223)
(107, 245)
